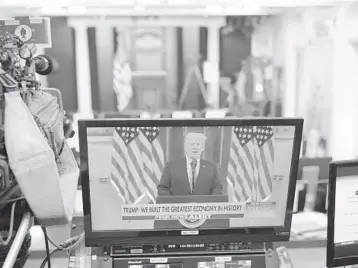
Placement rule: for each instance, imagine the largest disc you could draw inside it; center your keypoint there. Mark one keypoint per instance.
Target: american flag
(137, 162)
(242, 173)
(265, 154)
(122, 76)
(251, 163)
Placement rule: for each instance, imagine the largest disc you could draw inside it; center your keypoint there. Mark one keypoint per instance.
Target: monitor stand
(265, 258)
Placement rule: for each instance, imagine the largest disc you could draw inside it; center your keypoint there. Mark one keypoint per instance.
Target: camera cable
(48, 254)
(67, 245)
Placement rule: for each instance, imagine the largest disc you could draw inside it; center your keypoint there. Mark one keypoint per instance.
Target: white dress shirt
(189, 170)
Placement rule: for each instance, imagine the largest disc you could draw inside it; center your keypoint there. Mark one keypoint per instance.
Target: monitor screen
(321, 178)
(342, 244)
(188, 175)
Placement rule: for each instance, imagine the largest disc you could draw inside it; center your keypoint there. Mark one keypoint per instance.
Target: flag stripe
(271, 149)
(147, 155)
(238, 193)
(126, 166)
(252, 177)
(233, 176)
(241, 175)
(120, 170)
(117, 172)
(118, 188)
(265, 172)
(148, 165)
(265, 168)
(250, 168)
(231, 191)
(239, 170)
(138, 164)
(244, 169)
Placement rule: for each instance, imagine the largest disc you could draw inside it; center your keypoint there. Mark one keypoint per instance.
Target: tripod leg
(201, 83)
(185, 89)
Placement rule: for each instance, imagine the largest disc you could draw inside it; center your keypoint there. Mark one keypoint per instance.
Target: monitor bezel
(111, 238)
(331, 261)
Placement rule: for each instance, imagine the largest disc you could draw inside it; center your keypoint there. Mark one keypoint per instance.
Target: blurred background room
(246, 60)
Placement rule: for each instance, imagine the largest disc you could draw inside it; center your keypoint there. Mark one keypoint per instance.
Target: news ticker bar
(193, 210)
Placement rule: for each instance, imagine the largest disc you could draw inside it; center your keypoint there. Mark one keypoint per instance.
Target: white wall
(334, 63)
(295, 37)
(345, 95)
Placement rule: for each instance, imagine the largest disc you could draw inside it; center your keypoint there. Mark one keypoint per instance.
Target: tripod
(194, 72)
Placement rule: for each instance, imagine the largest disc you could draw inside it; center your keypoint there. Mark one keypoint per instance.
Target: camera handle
(24, 227)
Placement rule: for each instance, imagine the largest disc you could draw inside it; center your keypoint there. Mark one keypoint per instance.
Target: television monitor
(138, 186)
(322, 164)
(342, 232)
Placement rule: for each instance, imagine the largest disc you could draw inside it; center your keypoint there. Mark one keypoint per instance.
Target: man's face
(194, 146)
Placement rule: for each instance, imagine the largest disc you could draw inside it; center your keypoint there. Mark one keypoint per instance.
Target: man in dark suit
(190, 175)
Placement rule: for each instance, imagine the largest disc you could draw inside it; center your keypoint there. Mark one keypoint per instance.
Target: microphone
(45, 65)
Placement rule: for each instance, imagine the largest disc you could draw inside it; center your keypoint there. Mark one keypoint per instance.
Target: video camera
(19, 65)
(12, 51)
(18, 68)
(33, 133)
